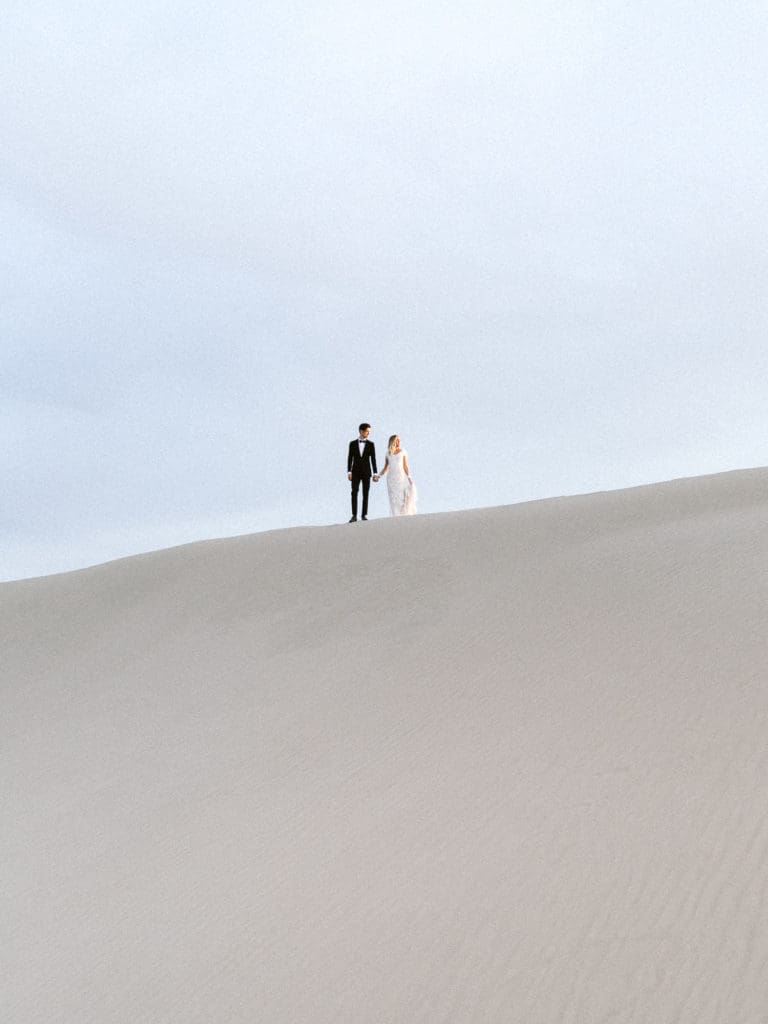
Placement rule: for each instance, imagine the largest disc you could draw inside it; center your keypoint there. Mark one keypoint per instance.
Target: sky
(529, 237)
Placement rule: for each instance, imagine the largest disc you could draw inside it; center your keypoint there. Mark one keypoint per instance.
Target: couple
(361, 465)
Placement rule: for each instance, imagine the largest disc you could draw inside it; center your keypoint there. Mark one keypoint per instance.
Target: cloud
(224, 228)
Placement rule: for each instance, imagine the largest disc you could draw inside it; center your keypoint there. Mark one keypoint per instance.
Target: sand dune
(508, 765)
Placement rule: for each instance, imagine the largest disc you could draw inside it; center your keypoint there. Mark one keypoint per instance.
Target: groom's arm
(373, 459)
(350, 457)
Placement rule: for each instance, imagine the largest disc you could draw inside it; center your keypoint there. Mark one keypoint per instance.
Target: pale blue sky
(530, 237)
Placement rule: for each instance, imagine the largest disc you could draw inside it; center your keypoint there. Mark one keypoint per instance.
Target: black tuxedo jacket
(361, 465)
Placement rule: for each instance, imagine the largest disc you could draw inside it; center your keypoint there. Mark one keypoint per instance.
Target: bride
(400, 486)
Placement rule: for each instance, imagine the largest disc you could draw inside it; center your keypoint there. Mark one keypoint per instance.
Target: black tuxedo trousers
(357, 479)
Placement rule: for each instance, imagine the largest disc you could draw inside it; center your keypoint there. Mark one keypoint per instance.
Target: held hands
(375, 478)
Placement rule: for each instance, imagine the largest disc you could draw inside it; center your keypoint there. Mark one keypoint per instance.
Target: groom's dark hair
(364, 426)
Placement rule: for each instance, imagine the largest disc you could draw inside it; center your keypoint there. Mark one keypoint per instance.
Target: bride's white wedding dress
(402, 494)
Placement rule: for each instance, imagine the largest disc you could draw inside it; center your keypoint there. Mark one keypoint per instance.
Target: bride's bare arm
(386, 467)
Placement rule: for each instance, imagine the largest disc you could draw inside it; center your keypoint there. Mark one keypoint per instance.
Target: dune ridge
(506, 765)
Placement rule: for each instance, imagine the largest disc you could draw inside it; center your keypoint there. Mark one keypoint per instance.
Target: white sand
(508, 765)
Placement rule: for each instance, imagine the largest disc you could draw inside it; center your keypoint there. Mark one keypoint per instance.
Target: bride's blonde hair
(391, 446)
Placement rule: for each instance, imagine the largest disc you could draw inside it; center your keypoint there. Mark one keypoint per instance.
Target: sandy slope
(502, 766)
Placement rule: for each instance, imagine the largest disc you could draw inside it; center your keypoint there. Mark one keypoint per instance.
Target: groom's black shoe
(353, 519)
(365, 519)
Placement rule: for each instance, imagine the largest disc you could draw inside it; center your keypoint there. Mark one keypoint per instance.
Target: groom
(361, 463)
